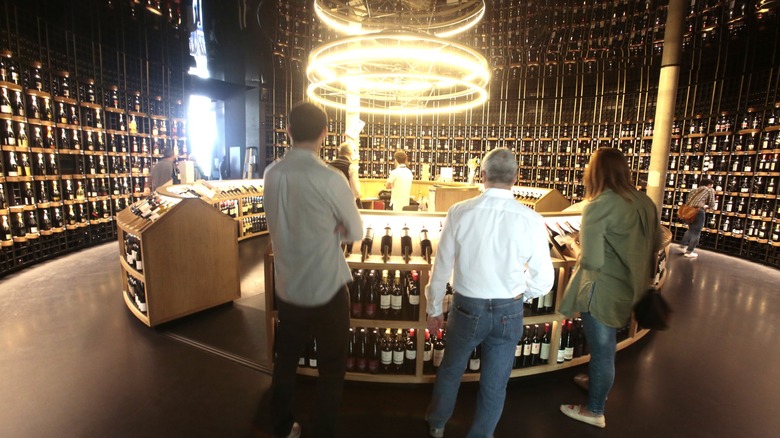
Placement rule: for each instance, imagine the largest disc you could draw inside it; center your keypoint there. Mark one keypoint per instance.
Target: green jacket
(618, 241)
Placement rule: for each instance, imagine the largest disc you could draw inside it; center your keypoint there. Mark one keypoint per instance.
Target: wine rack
(189, 257)
(379, 259)
(78, 138)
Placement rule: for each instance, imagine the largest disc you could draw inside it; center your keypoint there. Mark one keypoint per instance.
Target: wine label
(139, 265)
(387, 357)
(313, 363)
(398, 357)
(474, 364)
(428, 355)
(414, 300)
(544, 352)
(527, 350)
(301, 361)
(384, 302)
(535, 348)
(518, 350)
(396, 301)
(568, 353)
(411, 354)
(370, 310)
(560, 357)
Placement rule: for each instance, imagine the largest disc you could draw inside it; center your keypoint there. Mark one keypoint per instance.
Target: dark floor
(75, 362)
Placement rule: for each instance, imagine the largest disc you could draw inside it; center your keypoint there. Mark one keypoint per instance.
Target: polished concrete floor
(74, 362)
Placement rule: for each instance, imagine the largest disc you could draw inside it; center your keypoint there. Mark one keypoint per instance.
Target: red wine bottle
(410, 356)
(386, 245)
(356, 294)
(361, 361)
(544, 352)
(396, 297)
(372, 298)
(386, 358)
(474, 360)
(428, 354)
(536, 346)
(374, 352)
(526, 359)
(384, 297)
(568, 352)
(426, 249)
(367, 244)
(351, 348)
(562, 344)
(406, 244)
(438, 350)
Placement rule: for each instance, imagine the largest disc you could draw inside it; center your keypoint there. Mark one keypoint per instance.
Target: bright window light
(202, 129)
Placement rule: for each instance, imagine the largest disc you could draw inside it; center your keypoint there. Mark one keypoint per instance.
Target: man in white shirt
(310, 211)
(400, 182)
(496, 251)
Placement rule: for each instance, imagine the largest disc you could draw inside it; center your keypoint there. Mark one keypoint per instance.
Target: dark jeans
(330, 324)
(691, 236)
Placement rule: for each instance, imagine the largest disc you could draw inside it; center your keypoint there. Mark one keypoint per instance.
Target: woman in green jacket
(618, 239)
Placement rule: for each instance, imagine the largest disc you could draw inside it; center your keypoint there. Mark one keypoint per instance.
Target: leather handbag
(652, 311)
(687, 214)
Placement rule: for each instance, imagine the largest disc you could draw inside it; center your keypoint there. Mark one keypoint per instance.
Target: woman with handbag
(702, 197)
(619, 236)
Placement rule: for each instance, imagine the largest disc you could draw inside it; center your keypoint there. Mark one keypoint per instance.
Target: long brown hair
(608, 169)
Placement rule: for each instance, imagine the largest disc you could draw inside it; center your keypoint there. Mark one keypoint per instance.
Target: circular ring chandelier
(398, 73)
(369, 16)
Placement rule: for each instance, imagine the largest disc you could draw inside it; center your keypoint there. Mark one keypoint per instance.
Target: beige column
(665, 104)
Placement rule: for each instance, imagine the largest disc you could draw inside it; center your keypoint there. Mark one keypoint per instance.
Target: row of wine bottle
(385, 295)
(133, 256)
(136, 291)
(386, 244)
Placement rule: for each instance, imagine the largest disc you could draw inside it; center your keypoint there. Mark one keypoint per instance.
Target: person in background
(345, 165)
(400, 182)
(163, 171)
(224, 168)
(619, 236)
(310, 211)
(702, 197)
(497, 252)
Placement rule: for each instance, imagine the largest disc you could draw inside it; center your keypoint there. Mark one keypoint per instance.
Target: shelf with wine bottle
(391, 266)
(172, 268)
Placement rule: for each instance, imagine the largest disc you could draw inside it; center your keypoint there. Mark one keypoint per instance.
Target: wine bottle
(413, 292)
(12, 168)
(356, 294)
(536, 346)
(426, 249)
(372, 297)
(526, 340)
(396, 298)
(438, 350)
(406, 244)
(428, 354)
(10, 135)
(410, 356)
(6, 236)
(568, 352)
(361, 359)
(5, 102)
(518, 362)
(562, 344)
(384, 297)
(367, 244)
(386, 244)
(375, 352)
(386, 358)
(544, 351)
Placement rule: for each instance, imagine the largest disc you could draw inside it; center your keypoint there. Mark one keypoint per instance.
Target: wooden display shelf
(190, 256)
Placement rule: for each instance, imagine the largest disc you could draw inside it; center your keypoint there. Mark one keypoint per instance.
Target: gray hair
(500, 166)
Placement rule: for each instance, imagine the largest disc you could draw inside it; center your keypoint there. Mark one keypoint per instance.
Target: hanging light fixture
(395, 60)
(364, 17)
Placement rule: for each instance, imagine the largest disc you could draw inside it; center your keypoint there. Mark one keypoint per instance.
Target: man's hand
(340, 230)
(435, 323)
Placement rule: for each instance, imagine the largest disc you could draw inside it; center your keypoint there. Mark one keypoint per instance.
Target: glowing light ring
(361, 18)
(398, 73)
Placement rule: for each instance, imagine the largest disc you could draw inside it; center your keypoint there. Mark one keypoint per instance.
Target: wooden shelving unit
(190, 260)
(431, 220)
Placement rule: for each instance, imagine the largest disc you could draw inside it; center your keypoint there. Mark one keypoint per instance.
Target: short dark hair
(706, 182)
(167, 151)
(400, 156)
(306, 122)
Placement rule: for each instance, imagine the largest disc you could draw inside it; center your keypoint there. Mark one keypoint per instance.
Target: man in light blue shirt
(310, 211)
(497, 253)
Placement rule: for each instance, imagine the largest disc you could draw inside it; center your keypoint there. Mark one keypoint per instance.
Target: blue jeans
(602, 341)
(497, 324)
(692, 234)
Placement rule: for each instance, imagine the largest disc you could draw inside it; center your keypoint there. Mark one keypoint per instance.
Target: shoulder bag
(687, 214)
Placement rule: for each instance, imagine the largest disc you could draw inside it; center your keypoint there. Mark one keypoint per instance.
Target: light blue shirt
(305, 200)
(495, 247)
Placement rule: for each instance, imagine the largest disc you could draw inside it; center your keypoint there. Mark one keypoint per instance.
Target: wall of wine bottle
(387, 305)
(85, 111)
(569, 77)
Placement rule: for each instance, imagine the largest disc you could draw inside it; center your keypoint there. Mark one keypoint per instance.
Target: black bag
(652, 311)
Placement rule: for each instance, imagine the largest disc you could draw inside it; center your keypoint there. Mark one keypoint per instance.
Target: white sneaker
(691, 255)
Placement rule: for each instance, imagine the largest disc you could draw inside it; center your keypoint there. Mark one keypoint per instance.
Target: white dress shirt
(305, 200)
(401, 181)
(496, 248)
